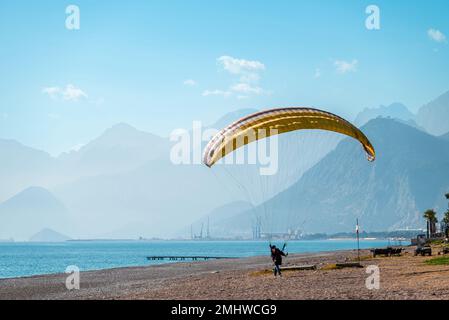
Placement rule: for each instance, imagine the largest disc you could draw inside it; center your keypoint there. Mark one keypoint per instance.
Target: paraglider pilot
(276, 256)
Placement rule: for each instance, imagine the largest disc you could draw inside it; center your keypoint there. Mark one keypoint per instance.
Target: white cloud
(216, 93)
(317, 73)
(246, 89)
(245, 73)
(436, 35)
(345, 66)
(239, 66)
(72, 93)
(69, 93)
(52, 92)
(250, 78)
(190, 83)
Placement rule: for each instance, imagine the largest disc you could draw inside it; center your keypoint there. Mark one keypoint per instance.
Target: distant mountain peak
(48, 235)
(395, 106)
(123, 129)
(443, 96)
(119, 130)
(36, 189)
(387, 129)
(384, 122)
(433, 116)
(396, 110)
(123, 134)
(33, 194)
(11, 146)
(123, 126)
(29, 211)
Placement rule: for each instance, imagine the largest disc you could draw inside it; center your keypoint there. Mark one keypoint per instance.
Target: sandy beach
(404, 277)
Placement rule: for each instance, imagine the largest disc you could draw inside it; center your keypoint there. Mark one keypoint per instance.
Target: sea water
(18, 259)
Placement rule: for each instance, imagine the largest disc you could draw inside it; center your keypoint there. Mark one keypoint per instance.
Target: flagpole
(358, 241)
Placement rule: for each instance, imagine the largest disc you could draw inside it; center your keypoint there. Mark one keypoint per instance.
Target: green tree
(446, 217)
(431, 217)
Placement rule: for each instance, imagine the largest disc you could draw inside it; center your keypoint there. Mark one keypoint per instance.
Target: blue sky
(131, 62)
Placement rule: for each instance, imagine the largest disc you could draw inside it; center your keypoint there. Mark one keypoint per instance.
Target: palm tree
(445, 220)
(446, 223)
(447, 197)
(446, 217)
(431, 217)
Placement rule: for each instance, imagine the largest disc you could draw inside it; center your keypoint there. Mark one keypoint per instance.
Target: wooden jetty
(349, 265)
(299, 267)
(183, 258)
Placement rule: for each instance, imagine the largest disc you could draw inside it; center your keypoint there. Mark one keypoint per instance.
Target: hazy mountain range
(431, 117)
(30, 211)
(122, 184)
(395, 111)
(434, 115)
(48, 235)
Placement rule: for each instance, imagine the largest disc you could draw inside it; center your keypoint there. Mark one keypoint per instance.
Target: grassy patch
(438, 261)
(436, 242)
(260, 273)
(362, 258)
(331, 266)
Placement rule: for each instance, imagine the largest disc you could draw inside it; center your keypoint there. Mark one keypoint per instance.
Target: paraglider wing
(277, 121)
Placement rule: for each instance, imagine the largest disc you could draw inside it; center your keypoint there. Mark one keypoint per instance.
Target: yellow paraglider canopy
(277, 121)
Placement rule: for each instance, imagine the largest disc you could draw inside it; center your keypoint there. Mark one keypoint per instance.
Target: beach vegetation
(362, 258)
(330, 266)
(431, 216)
(436, 242)
(260, 273)
(438, 261)
(446, 217)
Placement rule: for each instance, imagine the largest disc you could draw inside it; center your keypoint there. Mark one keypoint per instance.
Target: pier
(183, 258)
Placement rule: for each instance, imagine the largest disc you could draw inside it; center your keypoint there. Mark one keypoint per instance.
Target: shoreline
(162, 264)
(111, 258)
(167, 262)
(405, 277)
(330, 238)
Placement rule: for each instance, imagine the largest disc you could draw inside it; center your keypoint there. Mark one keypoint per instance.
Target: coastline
(405, 277)
(19, 259)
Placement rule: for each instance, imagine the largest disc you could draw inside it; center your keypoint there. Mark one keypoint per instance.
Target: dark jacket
(277, 256)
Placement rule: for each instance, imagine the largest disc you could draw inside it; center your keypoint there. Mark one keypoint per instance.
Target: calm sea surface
(25, 259)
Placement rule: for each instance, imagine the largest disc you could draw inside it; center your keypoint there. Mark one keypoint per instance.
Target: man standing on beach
(276, 256)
